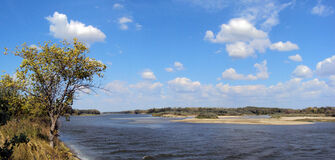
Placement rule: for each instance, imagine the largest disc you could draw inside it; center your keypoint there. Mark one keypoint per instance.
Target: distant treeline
(249, 110)
(82, 111)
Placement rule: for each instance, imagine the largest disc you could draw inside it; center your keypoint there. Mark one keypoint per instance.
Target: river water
(125, 136)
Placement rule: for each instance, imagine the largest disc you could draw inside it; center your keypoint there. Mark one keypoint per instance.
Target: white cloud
(284, 46)
(183, 84)
(262, 73)
(169, 69)
(232, 75)
(265, 13)
(147, 87)
(184, 92)
(302, 71)
(123, 21)
(62, 29)
(262, 70)
(239, 50)
(178, 66)
(288, 93)
(117, 88)
(238, 29)
(242, 39)
(240, 35)
(117, 6)
(260, 44)
(148, 75)
(326, 67)
(295, 58)
(242, 90)
(120, 94)
(322, 10)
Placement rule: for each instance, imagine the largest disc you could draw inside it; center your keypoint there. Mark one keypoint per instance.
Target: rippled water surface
(121, 136)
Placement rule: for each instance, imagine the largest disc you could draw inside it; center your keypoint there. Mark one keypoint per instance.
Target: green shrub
(207, 115)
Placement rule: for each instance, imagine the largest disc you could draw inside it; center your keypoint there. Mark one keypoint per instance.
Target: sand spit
(261, 121)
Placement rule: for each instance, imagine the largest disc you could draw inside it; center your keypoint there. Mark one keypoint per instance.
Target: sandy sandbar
(261, 121)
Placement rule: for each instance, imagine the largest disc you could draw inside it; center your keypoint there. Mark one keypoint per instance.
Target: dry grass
(38, 147)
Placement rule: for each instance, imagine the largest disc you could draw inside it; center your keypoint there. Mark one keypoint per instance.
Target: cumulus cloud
(241, 37)
(178, 66)
(322, 10)
(239, 50)
(182, 91)
(262, 73)
(148, 75)
(326, 67)
(302, 71)
(295, 58)
(117, 6)
(123, 21)
(284, 46)
(287, 93)
(62, 29)
(169, 69)
(183, 84)
(232, 75)
(238, 29)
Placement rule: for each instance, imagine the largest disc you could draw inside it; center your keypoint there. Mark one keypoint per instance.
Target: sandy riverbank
(261, 121)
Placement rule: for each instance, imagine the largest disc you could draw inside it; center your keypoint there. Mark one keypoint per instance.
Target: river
(126, 136)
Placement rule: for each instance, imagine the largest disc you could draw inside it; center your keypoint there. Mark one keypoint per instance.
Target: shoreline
(260, 121)
(72, 151)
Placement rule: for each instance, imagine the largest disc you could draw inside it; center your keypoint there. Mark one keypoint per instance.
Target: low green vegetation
(207, 116)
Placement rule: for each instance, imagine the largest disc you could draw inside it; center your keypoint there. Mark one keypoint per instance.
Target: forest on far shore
(248, 110)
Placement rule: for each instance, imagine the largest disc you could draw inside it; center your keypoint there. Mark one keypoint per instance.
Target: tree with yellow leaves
(53, 74)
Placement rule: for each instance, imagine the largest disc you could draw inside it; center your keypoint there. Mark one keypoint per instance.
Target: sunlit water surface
(122, 136)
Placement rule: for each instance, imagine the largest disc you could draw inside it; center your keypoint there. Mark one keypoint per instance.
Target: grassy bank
(38, 145)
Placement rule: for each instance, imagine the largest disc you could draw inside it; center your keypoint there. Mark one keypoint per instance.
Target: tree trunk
(53, 130)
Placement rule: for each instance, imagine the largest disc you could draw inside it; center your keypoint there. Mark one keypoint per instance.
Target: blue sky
(178, 53)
